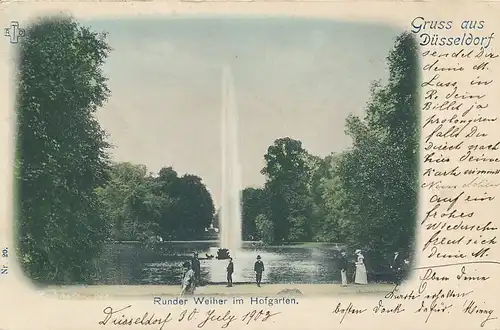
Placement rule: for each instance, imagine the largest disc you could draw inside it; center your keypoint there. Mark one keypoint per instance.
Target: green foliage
(287, 176)
(132, 209)
(253, 203)
(366, 196)
(140, 206)
(193, 209)
(379, 174)
(298, 231)
(333, 227)
(265, 228)
(61, 149)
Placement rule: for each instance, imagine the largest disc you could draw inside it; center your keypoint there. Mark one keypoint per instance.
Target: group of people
(258, 268)
(398, 265)
(192, 271)
(360, 276)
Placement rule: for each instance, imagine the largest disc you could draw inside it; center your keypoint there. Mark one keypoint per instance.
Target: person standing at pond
(360, 276)
(258, 267)
(230, 271)
(188, 285)
(195, 263)
(397, 264)
(343, 264)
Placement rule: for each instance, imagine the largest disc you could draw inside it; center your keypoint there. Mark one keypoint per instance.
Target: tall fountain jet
(230, 209)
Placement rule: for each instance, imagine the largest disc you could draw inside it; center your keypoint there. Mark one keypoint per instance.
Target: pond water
(131, 263)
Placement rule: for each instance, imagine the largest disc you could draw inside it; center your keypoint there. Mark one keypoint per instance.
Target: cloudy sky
(292, 77)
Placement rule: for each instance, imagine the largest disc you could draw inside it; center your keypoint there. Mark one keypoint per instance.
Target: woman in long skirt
(360, 277)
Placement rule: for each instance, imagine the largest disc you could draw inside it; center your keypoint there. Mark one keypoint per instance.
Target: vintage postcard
(250, 165)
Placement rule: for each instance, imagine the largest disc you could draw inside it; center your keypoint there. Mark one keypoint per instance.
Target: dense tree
(61, 149)
(265, 228)
(379, 175)
(334, 226)
(287, 176)
(253, 204)
(123, 178)
(320, 171)
(195, 207)
(140, 206)
(130, 203)
(167, 181)
(166, 184)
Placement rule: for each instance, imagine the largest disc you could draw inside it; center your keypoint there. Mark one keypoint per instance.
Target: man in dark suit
(397, 264)
(343, 264)
(230, 271)
(258, 267)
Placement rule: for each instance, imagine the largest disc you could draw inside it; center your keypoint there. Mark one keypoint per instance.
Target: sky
(292, 77)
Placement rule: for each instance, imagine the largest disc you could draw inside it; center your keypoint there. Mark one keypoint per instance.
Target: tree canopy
(61, 149)
(140, 205)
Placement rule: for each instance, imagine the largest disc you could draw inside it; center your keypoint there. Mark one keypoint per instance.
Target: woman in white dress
(360, 277)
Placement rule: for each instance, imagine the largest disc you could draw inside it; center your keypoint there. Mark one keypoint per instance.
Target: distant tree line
(71, 198)
(139, 206)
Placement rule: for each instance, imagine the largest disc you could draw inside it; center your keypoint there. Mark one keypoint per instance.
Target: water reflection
(130, 263)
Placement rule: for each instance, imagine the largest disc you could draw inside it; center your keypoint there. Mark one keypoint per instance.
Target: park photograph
(216, 154)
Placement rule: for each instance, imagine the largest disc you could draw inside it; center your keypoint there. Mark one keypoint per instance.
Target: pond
(131, 263)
